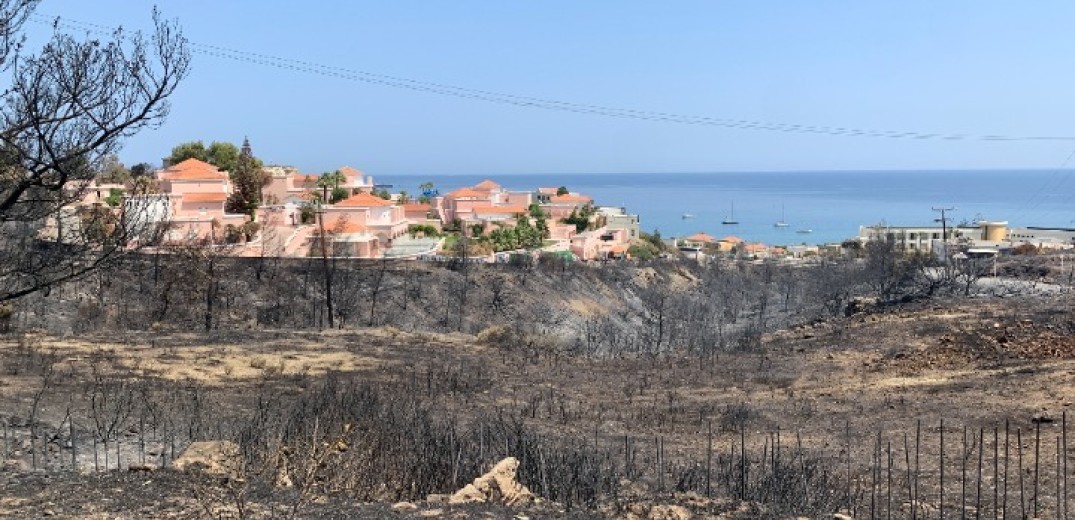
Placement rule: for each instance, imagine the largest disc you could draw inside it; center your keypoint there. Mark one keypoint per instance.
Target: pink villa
(560, 206)
(758, 251)
(347, 239)
(379, 217)
(460, 204)
(600, 244)
(197, 192)
(728, 243)
(698, 240)
(287, 185)
(356, 180)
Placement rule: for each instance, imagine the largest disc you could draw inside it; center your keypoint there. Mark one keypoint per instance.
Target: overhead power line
(541, 103)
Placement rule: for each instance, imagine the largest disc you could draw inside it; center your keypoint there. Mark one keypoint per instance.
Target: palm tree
(329, 182)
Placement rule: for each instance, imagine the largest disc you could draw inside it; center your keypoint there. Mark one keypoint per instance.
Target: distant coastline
(832, 204)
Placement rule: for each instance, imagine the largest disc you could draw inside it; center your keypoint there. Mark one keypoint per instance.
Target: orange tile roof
(571, 197)
(701, 237)
(487, 185)
(753, 248)
(618, 249)
(462, 193)
(348, 171)
(193, 170)
(548, 191)
(362, 200)
(416, 207)
(496, 210)
(304, 178)
(731, 239)
(205, 197)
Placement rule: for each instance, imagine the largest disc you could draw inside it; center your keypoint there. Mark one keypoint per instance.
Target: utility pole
(325, 264)
(944, 231)
(944, 222)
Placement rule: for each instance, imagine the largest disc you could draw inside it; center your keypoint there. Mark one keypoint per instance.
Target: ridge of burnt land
(830, 382)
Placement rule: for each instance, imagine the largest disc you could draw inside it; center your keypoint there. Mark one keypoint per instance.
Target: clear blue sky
(974, 67)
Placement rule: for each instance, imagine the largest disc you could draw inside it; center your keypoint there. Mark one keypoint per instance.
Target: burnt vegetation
(429, 414)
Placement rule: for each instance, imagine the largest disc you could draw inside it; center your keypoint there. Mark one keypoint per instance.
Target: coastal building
(996, 234)
(356, 180)
(696, 241)
(600, 244)
(459, 205)
(618, 218)
(917, 238)
(1042, 237)
(729, 243)
(346, 240)
(198, 192)
(562, 206)
(377, 216)
(757, 251)
(287, 185)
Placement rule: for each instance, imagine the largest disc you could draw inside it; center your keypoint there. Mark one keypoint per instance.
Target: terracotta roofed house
(561, 206)
(381, 217)
(195, 176)
(460, 203)
(487, 185)
(347, 239)
(729, 243)
(198, 192)
(355, 179)
(416, 213)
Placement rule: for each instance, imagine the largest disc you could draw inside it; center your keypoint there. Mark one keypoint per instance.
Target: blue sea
(831, 205)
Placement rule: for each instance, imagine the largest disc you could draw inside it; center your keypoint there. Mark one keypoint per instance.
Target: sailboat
(731, 217)
(781, 223)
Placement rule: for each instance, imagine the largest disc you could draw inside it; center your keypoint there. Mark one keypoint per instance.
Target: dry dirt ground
(970, 362)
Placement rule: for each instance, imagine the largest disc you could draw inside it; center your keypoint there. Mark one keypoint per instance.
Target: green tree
(542, 227)
(220, 154)
(642, 251)
(404, 197)
(115, 197)
(338, 194)
(141, 170)
(247, 179)
(188, 150)
(225, 156)
(562, 190)
(654, 239)
(329, 182)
